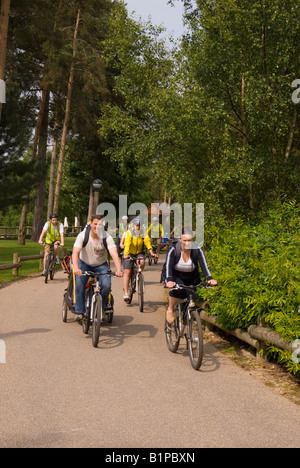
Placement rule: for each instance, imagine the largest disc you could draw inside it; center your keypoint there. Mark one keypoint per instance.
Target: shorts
(128, 263)
(186, 279)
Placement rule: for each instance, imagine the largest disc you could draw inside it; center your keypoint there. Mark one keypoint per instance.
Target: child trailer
(69, 299)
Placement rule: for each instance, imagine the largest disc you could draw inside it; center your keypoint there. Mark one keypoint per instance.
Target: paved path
(56, 390)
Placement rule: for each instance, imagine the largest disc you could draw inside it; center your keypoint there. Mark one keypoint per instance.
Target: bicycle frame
(184, 313)
(96, 290)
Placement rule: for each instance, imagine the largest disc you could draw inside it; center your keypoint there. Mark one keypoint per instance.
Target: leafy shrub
(258, 270)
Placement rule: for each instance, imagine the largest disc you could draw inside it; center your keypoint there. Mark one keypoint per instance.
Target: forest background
(212, 118)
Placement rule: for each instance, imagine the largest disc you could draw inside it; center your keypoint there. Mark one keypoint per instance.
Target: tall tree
(4, 20)
(66, 119)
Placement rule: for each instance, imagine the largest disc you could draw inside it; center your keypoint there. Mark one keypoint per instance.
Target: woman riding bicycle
(133, 247)
(182, 267)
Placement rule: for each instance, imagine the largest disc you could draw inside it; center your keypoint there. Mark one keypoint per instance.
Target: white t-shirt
(186, 267)
(94, 253)
(59, 227)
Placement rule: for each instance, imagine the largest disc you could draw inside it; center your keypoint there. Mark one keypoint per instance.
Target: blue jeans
(81, 282)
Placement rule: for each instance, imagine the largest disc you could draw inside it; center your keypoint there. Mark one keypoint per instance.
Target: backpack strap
(87, 236)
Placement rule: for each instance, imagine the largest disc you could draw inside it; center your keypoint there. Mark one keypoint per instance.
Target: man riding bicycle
(133, 248)
(182, 267)
(90, 253)
(156, 233)
(54, 232)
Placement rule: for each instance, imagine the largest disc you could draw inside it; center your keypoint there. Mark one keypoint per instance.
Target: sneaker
(57, 261)
(44, 273)
(126, 297)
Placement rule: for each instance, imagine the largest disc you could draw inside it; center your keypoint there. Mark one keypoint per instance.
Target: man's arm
(40, 241)
(116, 259)
(75, 260)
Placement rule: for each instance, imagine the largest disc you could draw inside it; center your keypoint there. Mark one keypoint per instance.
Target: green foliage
(258, 269)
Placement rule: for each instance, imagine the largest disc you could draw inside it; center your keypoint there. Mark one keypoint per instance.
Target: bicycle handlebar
(203, 285)
(53, 243)
(95, 275)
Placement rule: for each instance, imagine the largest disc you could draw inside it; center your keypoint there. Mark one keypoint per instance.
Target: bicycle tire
(47, 269)
(130, 287)
(86, 322)
(97, 317)
(64, 312)
(195, 340)
(52, 268)
(141, 287)
(172, 334)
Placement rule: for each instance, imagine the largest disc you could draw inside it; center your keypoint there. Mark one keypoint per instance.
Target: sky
(161, 14)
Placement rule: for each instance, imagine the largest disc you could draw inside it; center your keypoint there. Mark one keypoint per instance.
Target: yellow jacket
(134, 245)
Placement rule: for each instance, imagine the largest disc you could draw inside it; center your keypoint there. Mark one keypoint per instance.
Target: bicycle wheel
(195, 340)
(141, 287)
(47, 269)
(86, 322)
(52, 267)
(64, 311)
(131, 287)
(97, 317)
(172, 334)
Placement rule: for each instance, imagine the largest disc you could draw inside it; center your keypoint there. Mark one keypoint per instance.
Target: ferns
(258, 270)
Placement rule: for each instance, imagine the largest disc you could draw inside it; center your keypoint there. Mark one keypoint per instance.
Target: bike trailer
(69, 294)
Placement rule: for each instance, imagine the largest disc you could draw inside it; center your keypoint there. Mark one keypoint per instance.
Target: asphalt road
(56, 390)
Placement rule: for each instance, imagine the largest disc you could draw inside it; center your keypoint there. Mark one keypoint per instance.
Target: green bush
(258, 270)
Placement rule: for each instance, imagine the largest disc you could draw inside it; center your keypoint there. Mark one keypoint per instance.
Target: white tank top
(185, 267)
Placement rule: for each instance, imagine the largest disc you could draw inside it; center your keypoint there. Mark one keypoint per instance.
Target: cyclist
(182, 267)
(54, 232)
(90, 253)
(123, 226)
(133, 247)
(156, 232)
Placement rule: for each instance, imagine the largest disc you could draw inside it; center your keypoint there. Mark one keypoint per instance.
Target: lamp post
(94, 197)
(97, 185)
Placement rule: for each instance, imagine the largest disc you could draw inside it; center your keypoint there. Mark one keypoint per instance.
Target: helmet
(137, 221)
(53, 215)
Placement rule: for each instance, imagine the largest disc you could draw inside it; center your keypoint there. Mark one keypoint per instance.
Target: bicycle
(94, 311)
(150, 257)
(51, 262)
(187, 325)
(136, 282)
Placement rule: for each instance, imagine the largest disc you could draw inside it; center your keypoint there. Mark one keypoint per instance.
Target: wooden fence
(18, 262)
(256, 335)
(8, 232)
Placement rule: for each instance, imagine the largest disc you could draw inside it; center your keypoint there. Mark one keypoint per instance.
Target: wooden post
(16, 260)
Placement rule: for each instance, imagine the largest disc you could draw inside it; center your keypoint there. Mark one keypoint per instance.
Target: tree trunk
(25, 207)
(4, 19)
(66, 120)
(52, 174)
(38, 220)
(291, 135)
(23, 219)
